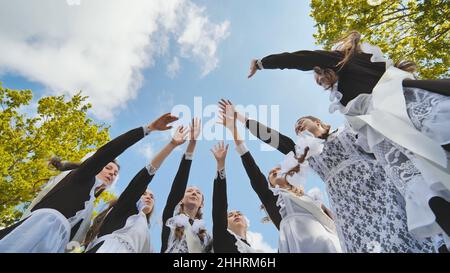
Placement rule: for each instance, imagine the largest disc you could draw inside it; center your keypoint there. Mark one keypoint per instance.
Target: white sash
(389, 117)
(308, 204)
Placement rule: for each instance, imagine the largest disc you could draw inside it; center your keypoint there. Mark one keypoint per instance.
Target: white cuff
(146, 130)
(188, 156)
(241, 149)
(151, 170)
(221, 173)
(259, 63)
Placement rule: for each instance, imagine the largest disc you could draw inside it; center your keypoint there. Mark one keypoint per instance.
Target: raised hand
(162, 123)
(195, 129)
(179, 136)
(226, 107)
(220, 153)
(253, 68)
(55, 162)
(228, 121)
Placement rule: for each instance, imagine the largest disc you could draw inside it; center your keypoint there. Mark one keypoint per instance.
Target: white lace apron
(304, 227)
(134, 237)
(44, 231)
(383, 114)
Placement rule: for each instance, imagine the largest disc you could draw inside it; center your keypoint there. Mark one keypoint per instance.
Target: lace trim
(241, 246)
(188, 156)
(125, 243)
(241, 149)
(377, 54)
(221, 174)
(259, 64)
(146, 130)
(151, 170)
(336, 96)
(85, 213)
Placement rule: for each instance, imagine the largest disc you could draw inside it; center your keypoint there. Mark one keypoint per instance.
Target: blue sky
(255, 28)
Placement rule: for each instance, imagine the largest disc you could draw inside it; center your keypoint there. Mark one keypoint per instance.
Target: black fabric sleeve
(223, 241)
(303, 60)
(126, 204)
(441, 86)
(272, 137)
(69, 195)
(107, 153)
(176, 194)
(261, 186)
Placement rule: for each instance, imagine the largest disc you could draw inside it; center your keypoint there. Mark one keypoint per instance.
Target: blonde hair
(349, 44)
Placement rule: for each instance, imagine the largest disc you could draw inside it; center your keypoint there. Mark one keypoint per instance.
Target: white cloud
(102, 46)
(147, 151)
(257, 242)
(200, 38)
(173, 68)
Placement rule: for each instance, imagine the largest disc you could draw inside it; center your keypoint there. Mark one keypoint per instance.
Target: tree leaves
(59, 127)
(403, 29)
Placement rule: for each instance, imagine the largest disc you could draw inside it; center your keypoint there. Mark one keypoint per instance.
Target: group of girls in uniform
(387, 169)
(386, 173)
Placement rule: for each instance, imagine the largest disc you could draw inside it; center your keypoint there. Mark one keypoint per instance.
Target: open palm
(220, 151)
(179, 137)
(195, 129)
(253, 68)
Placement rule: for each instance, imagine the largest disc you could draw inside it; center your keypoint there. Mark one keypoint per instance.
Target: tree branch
(393, 18)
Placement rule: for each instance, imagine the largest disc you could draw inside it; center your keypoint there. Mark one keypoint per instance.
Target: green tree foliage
(417, 30)
(58, 127)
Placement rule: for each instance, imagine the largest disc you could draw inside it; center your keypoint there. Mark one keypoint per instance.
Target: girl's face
(193, 197)
(318, 78)
(149, 201)
(236, 220)
(305, 124)
(109, 173)
(275, 179)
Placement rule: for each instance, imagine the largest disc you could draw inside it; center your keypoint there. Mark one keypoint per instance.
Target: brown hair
(349, 45)
(314, 119)
(98, 222)
(63, 166)
(100, 218)
(405, 65)
(301, 159)
(328, 77)
(295, 190)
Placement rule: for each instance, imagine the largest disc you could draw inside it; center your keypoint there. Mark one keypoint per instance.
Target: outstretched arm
(272, 137)
(180, 182)
(257, 179)
(223, 241)
(302, 60)
(139, 184)
(108, 152)
(260, 185)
